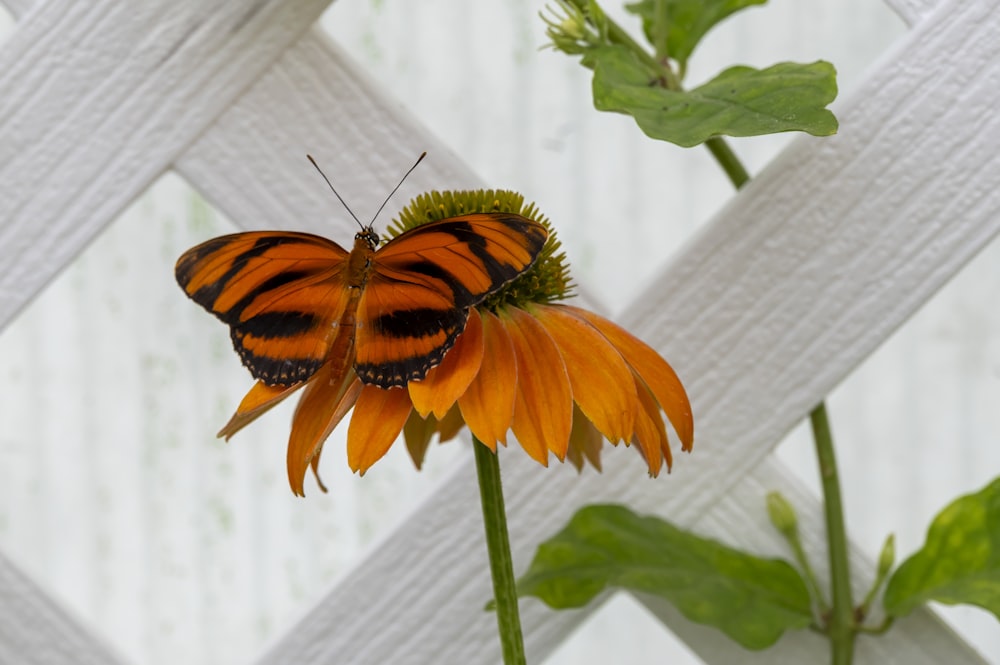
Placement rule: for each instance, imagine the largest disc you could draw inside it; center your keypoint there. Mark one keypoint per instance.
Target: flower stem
(811, 582)
(728, 160)
(841, 628)
(501, 562)
(841, 625)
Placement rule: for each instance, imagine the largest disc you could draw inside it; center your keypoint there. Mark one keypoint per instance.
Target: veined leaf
(959, 563)
(751, 599)
(741, 101)
(687, 21)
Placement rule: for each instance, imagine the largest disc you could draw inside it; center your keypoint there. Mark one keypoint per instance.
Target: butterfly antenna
(399, 184)
(334, 190)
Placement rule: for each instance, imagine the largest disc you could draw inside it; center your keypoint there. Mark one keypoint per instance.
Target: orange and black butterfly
(294, 301)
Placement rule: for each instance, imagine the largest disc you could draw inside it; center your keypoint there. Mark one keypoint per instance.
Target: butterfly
(294, 301)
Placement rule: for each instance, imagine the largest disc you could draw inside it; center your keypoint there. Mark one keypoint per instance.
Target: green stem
(617, 35)
(501, 562)
(811, 581)
(728, 160)
(841, 625)
(880, 629)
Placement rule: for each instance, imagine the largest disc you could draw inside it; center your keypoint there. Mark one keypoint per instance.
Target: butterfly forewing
(280, 293)
(424, 281)
(467, 257)
(287, 296)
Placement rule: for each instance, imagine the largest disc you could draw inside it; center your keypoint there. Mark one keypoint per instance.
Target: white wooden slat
(913, 11)
(315, 101)
(24, 608)
(123, 89)
(750, 381)
(18, 8)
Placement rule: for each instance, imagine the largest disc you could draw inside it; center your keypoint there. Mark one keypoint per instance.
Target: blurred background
(178, 548)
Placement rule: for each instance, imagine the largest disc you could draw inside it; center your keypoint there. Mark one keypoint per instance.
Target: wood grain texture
(36, 630)
(913, 11)
(98, 100)
(315, 100)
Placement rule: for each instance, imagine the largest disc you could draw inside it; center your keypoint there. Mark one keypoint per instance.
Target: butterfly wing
(423, 283)
(280, 293)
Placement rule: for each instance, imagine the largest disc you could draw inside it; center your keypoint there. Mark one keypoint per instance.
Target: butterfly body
(295, 301)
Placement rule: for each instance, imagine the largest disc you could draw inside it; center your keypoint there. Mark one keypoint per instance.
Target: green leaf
(752, 600)
(741, 101)
(959, 563)
(687, 21)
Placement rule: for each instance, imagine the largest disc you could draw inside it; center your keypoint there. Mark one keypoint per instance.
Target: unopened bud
(782, 514)
(888, 556)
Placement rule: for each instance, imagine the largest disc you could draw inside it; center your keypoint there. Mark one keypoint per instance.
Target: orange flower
(560, 378)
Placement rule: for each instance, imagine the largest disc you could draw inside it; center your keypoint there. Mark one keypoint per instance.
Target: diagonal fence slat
(97, 100)
(62, 638)
(912, 11)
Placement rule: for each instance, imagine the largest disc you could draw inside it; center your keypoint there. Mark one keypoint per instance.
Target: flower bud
(782, 514)
(887, 557)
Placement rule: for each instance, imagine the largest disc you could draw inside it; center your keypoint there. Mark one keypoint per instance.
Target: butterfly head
(367, 233)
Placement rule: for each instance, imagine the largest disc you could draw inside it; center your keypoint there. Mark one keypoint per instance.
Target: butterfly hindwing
(423, 283)
(280, 293)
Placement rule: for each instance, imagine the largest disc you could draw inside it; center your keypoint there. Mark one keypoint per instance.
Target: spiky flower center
(545, 281)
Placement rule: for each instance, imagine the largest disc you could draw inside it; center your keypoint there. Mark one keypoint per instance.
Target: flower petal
(379, 415)
(255, 404)
(417, 433)
(329, 394)
(488, 403)
(449, 426)
(600, 378)
(543, 405)
(585, 442)
(654, 370)
(443, 385)
(650, 433)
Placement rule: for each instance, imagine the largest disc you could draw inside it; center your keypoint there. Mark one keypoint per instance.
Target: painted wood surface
(98, 101)
(35, 629)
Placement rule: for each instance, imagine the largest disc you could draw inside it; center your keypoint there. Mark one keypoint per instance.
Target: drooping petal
(487, 405)
(443, 385)
(328, 396)
(654, 370)
(256, 403)
(449, 426)
(650, 432)
(379, 415)
(417, 433)
(585, 442)
(543, 406)
(600, 378)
